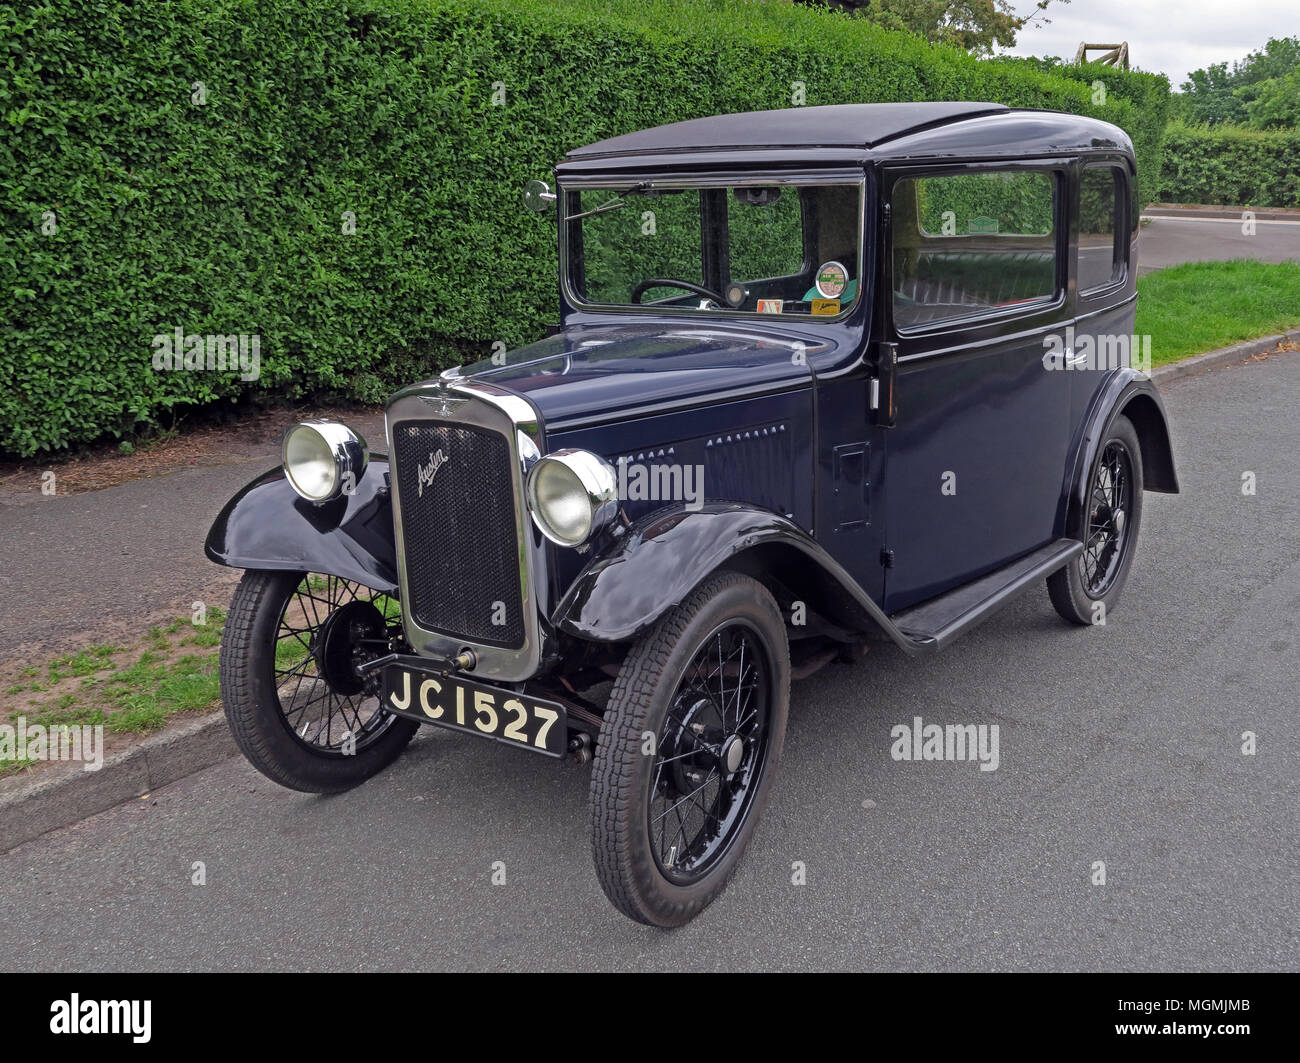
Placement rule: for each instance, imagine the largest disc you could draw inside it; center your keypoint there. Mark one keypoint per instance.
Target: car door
(975, 296)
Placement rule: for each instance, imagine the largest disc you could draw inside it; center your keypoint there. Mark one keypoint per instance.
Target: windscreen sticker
(832, 279)
(826, 307)
(770, 306)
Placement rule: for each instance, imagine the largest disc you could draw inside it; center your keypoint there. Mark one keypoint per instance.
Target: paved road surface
(116, 560)
(1118, 744)
(1171, 241)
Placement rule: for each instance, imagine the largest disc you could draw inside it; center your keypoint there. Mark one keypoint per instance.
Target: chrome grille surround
(484, 406)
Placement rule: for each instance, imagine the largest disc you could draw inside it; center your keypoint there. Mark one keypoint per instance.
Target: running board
(935, 623)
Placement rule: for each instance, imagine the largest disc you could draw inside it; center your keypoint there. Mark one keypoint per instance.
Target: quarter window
(972, 243)
(1101, 260)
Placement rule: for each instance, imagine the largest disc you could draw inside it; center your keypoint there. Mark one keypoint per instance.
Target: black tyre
(297, 708)
(1087, 589)
(690, 743)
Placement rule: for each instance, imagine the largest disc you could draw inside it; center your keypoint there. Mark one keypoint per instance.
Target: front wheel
(298, 709)
(690, 743)
(1087, 589)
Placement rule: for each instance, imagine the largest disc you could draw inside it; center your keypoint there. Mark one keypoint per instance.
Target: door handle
(1072, 359)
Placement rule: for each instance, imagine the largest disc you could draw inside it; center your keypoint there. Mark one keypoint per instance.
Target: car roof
(844, 125)
(861, 130)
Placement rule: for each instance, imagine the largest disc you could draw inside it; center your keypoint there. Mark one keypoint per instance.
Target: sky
(1172, 38)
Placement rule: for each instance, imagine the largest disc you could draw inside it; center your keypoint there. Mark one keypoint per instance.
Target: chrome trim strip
(486, 406)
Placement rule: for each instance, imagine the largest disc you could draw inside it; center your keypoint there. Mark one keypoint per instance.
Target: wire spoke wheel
(327, 627)
(298, 707)
(1108, 526)
(689, 745)
(710, 751)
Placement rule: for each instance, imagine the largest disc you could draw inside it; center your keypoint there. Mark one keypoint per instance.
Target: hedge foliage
(194, 166)
(1019, 203)
(1230, 165)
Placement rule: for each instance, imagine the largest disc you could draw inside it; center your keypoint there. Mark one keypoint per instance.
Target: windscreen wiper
(615, 203)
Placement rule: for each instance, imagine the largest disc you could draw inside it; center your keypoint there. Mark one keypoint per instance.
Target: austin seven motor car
(822, 377)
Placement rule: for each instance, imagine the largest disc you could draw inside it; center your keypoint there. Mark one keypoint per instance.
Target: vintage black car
(821, 376)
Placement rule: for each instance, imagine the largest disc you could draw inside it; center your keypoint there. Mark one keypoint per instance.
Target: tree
(975, 25)
(1218, 93)
(1208, 96)
(1273, 104)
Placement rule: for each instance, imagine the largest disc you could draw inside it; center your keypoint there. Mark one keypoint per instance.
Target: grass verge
(1202, 306)
(126, 689)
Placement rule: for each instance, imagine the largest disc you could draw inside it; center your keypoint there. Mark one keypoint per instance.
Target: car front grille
(461, 552)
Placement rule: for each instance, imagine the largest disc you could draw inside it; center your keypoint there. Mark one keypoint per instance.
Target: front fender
(268, 526)
(660, 559)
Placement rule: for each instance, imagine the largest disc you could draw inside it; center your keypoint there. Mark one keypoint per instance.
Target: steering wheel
(668, 282)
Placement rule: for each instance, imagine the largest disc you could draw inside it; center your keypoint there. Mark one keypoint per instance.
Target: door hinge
(886, 558)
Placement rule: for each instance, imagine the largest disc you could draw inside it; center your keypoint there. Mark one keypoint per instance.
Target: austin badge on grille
(425, 473)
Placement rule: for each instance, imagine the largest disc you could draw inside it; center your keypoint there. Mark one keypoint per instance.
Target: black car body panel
(267, 526)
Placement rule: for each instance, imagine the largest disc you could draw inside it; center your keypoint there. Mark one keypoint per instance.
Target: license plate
(489, 712)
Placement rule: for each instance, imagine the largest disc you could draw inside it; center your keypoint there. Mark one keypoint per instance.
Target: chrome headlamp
(323, 459)
(572, 494)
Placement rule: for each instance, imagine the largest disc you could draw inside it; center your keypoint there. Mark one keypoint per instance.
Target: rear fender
(1132, 394)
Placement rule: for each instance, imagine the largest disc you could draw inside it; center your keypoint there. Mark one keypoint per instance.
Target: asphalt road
(108, 563)
(1199, 238)
(1118, 744)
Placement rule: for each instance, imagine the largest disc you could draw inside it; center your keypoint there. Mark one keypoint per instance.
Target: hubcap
(733, 752)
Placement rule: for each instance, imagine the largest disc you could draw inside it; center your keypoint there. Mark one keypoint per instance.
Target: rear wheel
(298, 709)
(690, 743)
(1088, 588)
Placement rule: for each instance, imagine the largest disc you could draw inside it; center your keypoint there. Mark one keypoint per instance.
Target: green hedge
(1232, 166)
(1020, 203)
(228, 217)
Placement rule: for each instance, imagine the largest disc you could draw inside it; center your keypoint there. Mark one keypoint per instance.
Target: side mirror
(538, 197)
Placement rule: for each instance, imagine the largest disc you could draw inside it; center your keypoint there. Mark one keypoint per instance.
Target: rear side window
(1101, 249)
(972, 244)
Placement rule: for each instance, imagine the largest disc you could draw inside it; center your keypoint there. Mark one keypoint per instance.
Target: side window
(972, 243)
(1101, 244)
